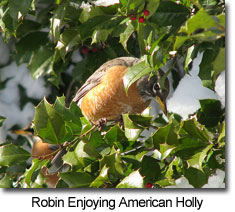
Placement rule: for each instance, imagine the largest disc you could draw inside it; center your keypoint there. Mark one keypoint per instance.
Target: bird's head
(149, 88)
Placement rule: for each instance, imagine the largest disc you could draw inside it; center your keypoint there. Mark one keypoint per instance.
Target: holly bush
(46, 34)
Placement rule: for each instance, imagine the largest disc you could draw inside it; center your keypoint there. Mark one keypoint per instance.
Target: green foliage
(118, 156)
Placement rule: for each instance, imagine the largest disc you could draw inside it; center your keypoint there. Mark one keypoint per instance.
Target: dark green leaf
(174, 168)
(143, 121)
(41, 62)
(150, 168)
(219, 63)
(68, 39)
(193, 128)
(196, 177)
(124, 36)
(197, 159)
(82, 152)
(199, 21)
(26, 27)
(165, 150)
(70, 115)
(57, 20)
(6, 181)
(96, 139)
(152, 6)
(76, 179)
(134, 73)
(100, 35)
(187, 147)
(18, 8)
(134, 5)
(87, 28)
(221, 138)
(165, 135)
(133, 180)
(188, 58)
(48, 123)
(114, 134)
(32, 41)
(132, 131)
(11, 154)
(70, 158)
(35, 168)
(101, 179)
(170, 13)
(210, 113)
(114, 163)
(206, 69)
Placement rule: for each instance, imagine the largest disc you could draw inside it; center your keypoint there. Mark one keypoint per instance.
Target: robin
(41, 150)
(103, 95)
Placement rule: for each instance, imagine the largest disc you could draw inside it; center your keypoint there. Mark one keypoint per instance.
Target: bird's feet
(101, 123)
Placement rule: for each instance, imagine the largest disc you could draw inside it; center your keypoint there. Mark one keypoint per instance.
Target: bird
(41, 150)
(103, 95)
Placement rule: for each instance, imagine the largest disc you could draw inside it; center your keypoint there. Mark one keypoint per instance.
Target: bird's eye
(156, 86)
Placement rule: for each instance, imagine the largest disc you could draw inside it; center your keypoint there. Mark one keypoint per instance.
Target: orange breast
(41, 149)
(109, 99)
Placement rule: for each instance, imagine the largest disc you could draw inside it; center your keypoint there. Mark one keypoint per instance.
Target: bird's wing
(96, 77)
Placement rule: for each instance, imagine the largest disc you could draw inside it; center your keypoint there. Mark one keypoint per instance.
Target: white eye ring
(156, 87)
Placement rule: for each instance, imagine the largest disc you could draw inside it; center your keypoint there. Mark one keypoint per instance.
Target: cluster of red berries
(85, 50)
(133, 17)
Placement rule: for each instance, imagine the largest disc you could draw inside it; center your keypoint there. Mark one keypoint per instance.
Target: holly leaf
(48, 123)
(132, 131)
(206, 69)
(41, 62)
(114, 163)
(210, 113)
(133, 180)
(219, 63)
(134, 73)
(114, 134)
(150, 168)
(57, 20)
(169, 13)
(165, 135)
(197, 160)
(31, 173)
(101, 179)
(6, 181)
(76, 179)
(194, 129)
(196, 177)
(85, 153)
(11, 154)
(201, 20)
(124, 36)
(19, 8)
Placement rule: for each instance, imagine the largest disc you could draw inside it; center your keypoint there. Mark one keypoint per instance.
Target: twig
(69, 90)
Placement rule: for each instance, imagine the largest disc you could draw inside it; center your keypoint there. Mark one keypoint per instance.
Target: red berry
(94, 50)
(141, 19)
(132, 17)
(146, 12)
(149, 185)
(85, 50)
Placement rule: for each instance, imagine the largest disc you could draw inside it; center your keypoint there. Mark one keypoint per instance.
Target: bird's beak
(22, 132)
(162, 104)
